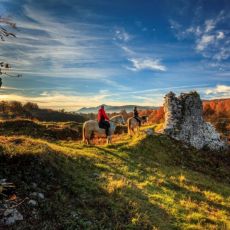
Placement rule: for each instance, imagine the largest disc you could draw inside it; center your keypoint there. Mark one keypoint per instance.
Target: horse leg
(109, 140)
(87, 141)
(133, 132)
(129, 131)
(138, 129)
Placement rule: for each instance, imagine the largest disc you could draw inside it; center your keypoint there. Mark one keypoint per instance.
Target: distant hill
(112, 109)
(15, 109)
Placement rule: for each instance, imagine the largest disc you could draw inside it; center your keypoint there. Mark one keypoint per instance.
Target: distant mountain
(112, 109)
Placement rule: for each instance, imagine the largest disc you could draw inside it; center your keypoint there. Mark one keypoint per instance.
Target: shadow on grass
(75, 195)
(164, 150)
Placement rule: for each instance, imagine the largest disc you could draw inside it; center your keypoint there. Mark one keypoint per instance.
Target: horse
(134, 124)
(90, 127)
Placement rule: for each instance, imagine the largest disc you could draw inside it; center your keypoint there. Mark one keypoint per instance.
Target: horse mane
(113, 117)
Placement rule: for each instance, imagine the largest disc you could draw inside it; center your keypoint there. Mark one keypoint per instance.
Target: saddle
(138, 120)
(102, 126)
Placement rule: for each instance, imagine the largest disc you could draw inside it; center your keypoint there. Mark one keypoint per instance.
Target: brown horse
(90, 127)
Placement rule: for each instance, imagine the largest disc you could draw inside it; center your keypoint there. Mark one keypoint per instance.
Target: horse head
(145, 118)
(118, 120)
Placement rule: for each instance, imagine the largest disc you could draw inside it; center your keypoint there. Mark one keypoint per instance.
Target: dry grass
(135, 183)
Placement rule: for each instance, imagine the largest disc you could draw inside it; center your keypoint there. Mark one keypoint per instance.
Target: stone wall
(184, 121)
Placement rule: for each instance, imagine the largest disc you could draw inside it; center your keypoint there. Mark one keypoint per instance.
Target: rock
(149, 132)
(88, 223)
(32, 202)
(11, 216)
(33, 194)
(41, 195)
(74, 214)
(38, 194)
(2, 181)
(34, 185)
(184, 122)
(96, 175)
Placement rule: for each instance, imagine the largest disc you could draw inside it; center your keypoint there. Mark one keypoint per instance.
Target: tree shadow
(75, 194)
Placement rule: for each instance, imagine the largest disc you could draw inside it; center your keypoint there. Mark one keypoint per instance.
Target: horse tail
(129, 126)
(83, 133)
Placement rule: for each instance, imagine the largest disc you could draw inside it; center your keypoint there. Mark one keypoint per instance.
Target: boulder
(11, 215)
(184, 121)
(149, 132)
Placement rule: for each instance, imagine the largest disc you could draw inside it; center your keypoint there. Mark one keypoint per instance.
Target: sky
(81, 53)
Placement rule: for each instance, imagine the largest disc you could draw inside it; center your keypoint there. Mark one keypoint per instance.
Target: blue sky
(84, 53)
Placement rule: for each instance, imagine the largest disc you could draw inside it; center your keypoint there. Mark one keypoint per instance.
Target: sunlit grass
(135, 183)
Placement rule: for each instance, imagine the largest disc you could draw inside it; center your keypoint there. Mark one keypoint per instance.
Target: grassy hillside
(15, 109)
(140, 183)
(45, 130)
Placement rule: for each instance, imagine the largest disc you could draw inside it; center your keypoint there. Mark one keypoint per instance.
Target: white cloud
(209, 36)
(194, 30)
(219, 90)
(50, 46)
(209, 25)
(58, 100)
(147, 63)
(223, 54)
(122, 35)
(141, 62)
(204, 41)
(220, 35)
(128, 50)
(177, 29)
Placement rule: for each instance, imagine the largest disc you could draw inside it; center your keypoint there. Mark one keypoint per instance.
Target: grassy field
(136, 183)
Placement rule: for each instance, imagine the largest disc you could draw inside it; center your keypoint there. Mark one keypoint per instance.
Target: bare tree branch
(4, 33)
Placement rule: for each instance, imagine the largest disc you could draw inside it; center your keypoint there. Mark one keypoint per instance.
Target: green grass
(139, 183)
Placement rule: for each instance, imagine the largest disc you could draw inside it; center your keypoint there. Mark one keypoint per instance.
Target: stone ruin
(184, 121)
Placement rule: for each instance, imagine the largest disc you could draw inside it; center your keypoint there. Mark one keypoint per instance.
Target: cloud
(219, 91)
(71, 102)
(128, 50)
(142, 60)
(204, 41)
(177, 29)
(220, 35)
(146, 64)
(58, 100)
(54, 46)
(122, 35)
(209, 25)
(223, 54)
(209, 36)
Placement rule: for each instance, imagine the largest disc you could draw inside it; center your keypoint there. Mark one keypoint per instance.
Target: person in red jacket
(103, 120)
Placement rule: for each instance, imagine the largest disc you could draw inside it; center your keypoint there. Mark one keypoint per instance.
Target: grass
(139, 183)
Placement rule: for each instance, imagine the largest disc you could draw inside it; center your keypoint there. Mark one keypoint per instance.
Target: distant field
(49, 130)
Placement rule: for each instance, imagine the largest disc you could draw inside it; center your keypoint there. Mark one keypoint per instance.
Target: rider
(136, 115)
(103, 120)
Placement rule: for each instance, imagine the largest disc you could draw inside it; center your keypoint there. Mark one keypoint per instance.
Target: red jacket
(102, 115)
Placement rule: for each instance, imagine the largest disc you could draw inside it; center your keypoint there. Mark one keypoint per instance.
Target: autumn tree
(30, 106)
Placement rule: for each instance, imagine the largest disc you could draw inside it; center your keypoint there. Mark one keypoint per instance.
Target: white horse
(90, 127)
(133, 124)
